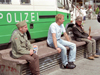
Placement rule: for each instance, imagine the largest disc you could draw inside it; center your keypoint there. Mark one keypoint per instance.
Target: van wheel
(69, 30)
(5, 46)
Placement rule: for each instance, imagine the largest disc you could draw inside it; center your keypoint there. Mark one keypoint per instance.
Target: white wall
(15, 2)
(46, 5)
(35, 5)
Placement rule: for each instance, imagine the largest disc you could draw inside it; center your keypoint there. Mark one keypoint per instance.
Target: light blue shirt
(55, 28)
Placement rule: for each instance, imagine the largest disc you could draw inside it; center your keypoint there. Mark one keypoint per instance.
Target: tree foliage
(97, 10)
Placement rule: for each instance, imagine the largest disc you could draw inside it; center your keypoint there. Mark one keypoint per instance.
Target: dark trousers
(33, 63)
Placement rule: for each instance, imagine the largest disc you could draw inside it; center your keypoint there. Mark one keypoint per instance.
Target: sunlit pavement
(84, 67)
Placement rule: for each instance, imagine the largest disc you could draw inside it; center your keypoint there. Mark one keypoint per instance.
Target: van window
(5, 1)
(25, 1)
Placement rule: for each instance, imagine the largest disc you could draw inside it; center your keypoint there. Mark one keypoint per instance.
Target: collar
(81, 26)
(78, 25)
(21, 33)
(58, 25)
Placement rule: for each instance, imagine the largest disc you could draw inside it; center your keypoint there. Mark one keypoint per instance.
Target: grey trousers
(33, 63)
(91, 46)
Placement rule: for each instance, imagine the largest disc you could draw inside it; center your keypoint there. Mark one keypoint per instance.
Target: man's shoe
(96, 56)
(91, 58)
(71, 63)
(68, 66)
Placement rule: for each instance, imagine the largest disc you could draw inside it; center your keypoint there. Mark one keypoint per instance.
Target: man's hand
(35, 46)
(89, 38)
(31, 52)
(58, 49)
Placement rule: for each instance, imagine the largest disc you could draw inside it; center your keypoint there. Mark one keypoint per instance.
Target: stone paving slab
(84, 67)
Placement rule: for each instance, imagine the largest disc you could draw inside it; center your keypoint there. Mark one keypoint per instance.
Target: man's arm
(55, 42)
(18, 47)
(66, 36)
(54, 39)
(79, 34)
(28, 43)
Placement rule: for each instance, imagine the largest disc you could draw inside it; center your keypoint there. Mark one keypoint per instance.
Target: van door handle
(31, 26)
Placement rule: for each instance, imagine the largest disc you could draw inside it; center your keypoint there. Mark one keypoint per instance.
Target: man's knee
(32, 60)
(90, 42)
(37, 56)
(73, 45)
(93, 41)
(63, 48)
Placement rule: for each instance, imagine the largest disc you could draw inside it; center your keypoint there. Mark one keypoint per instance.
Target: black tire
(69, 30)
(5, 46)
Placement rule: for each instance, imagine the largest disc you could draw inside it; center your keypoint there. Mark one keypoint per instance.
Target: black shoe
(68, 66)
(71, 63)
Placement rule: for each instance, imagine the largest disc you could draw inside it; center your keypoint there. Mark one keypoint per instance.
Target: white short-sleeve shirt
(55, 28)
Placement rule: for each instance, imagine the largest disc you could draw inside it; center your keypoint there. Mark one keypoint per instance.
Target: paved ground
(84, 67)
(93, 23)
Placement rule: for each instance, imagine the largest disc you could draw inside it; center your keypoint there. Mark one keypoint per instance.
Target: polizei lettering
(16, 17)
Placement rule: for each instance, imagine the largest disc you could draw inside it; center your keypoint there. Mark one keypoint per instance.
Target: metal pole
(64, 3)
(95, 3)
(83, 2)
(75, 2)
